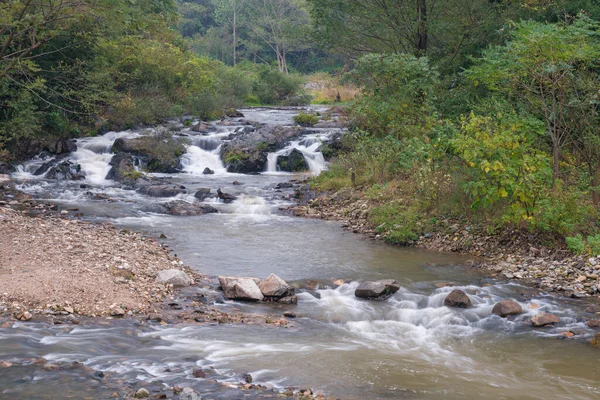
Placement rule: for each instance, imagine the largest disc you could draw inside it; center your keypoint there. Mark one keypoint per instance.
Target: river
(408, 347)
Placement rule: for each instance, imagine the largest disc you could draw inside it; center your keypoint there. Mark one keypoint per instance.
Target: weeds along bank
(502, 161)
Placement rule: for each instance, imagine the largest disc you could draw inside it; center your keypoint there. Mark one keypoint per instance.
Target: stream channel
(408, 347)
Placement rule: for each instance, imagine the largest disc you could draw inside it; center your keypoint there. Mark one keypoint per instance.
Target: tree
(282, 26)
(440, 30)
(543, 67)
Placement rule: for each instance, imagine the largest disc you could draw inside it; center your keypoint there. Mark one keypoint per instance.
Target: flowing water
(408, 347)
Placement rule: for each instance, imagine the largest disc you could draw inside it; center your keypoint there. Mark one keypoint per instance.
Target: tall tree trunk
(234, 31)
(555, 158)
(422, 27)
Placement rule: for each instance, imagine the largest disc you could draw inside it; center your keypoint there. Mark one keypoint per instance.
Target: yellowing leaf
(502, 192)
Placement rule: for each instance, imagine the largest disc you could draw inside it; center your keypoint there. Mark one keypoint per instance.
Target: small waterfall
(95, 166)
(25, 171)
(94, 154)
(207, 143)
(197, 159)
(308, 147)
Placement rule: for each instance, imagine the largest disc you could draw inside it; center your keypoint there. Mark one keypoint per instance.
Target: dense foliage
(69, 68)
(509, 139)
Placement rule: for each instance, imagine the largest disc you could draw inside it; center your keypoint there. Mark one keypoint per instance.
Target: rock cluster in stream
(272, 288)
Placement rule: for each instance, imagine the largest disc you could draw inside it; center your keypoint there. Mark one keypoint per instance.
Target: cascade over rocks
(504, 308)
(544, 319)
(236, 288)
(457, 298)
(377, 290)
(247, 152)
(183, 208)
(174, 277)
(293, 162)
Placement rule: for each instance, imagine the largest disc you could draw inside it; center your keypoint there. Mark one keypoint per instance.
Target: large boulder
(274, 286)
(158, 152)
(236, 288)
(377, 290)
(163, 190)
(65, 170)
(247, 152)
(202, 194)
(504, 308)
(183, 208)
(544, 319)
(293, 162)
(174, 277)
(457, 298)
(122, 169)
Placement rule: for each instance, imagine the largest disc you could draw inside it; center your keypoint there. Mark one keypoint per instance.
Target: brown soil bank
(53, 264)
(512, 255)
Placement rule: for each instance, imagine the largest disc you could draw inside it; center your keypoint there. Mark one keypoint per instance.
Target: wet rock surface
(544, 319)
(240, 288)
(378, 290)
(504, 308)
(457, 298)
(184, 208)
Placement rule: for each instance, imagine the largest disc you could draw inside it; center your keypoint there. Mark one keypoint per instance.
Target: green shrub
(304, 119)
(397, 223)
(578, 245)
(272, 87)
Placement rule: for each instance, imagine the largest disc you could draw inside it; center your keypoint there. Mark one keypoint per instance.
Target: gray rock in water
(274, 286)
(202, 193)
(226, 197)
(163, 190)
(208, 171)
(458, 298)
(293, 162)
(183, 208)
(174, 277)
(505, 308)
(189, 394)
(236, 288)
(378, 290)
(293, 299)
(544, 319)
